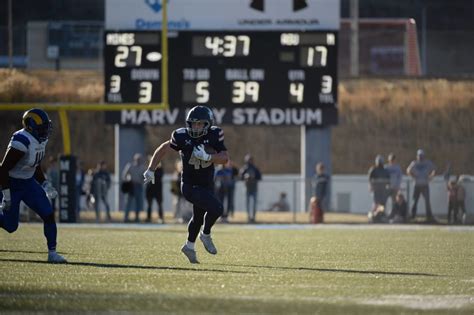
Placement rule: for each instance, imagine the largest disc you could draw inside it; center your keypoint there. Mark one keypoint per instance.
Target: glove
(201, 154)
(6, 201)
(51, 193)
(149, 176)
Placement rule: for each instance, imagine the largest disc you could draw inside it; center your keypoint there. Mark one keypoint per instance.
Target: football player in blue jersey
(200, 145)
(22, 179)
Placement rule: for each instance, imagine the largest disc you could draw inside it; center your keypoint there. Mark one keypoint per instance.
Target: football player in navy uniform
(22, 179)
(200, 145)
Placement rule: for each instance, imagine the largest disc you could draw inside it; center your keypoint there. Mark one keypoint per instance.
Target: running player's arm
(39, 174)
(11, 158)
(220, 158)
(159, 154)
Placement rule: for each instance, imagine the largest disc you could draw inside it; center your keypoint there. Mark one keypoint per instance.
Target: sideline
(337, 226)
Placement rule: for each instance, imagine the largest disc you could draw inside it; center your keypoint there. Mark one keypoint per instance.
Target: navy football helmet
(37, 122)
(199, 114)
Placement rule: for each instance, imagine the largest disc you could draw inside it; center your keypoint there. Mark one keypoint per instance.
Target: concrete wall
(350, 193)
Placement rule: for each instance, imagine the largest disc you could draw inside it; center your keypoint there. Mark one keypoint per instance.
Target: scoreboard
(253, 77)
(132, 67)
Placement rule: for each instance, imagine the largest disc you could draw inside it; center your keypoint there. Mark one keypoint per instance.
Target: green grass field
(334, 269)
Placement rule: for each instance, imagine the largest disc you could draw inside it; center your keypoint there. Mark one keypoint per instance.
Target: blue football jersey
(195, 171)
(34, 151)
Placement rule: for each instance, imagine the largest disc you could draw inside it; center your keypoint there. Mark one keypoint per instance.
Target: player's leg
(37, 200)
(194, 226)
(9, 219)
(203, 198)
(204, 202)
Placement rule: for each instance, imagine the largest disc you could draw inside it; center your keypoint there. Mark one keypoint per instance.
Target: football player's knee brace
(49, 219)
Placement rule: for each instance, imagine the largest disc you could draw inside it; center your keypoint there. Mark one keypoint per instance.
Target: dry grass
(48, 86)
(376, 116)
(380, 116)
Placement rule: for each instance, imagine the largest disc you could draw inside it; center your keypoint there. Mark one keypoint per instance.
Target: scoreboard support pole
(315, 148)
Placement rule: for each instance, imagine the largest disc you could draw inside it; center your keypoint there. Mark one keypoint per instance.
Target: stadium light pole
(164, 53)
(10, 34)
(423, 41)
(354, 13)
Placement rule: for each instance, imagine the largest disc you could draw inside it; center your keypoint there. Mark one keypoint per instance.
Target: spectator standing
(422, 171)
(133, 171)
(80, 175)
(52, 174)
(251, 175)
(178, 199)
(452, 201)
(233, 173)
(225, 188)
(220, 184)
(379, 181)
(395, 172)
(101, 183)
(87, 189)
(461, 197)
(154, 190)
(320, 184)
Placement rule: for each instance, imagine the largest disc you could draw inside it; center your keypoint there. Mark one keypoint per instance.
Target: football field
(271, 269)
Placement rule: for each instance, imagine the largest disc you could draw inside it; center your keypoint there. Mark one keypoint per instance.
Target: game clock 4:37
(246, 69)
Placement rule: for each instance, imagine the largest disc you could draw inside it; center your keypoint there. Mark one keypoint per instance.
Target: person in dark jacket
(251, 175)
(154, 190)
(379, 181)
(319, 200)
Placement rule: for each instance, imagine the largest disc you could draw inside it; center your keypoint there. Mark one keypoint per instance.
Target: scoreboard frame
(285, 74)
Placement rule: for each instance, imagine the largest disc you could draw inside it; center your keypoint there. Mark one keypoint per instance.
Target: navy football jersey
(195, 171)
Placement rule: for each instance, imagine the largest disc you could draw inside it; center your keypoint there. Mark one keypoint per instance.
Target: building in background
(67, 34)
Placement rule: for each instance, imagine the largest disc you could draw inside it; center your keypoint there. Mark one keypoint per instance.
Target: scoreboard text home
(247, 77)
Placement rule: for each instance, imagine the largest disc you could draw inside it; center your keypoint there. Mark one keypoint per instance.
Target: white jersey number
(197, 163)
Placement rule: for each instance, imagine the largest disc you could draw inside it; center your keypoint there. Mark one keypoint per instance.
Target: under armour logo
(187, 142)
(259, 5)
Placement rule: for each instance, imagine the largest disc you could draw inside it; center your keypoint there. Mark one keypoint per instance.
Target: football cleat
(190, 254)
(55, 258)
(208, 244)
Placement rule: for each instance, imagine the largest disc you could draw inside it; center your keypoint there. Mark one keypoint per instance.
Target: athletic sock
(190, 245)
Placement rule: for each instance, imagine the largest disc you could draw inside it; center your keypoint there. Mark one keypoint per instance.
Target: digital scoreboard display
(132, 67)
(291, 77)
